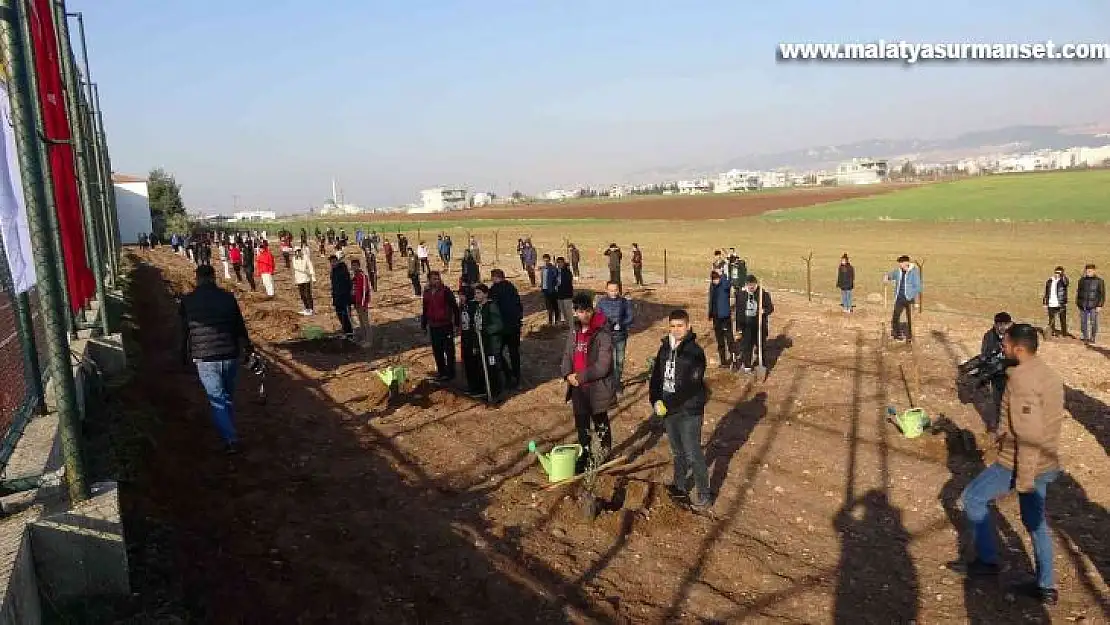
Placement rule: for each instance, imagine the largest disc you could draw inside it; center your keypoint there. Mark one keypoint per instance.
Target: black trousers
(749, 341)
(615, 275)
(250, 277)
(574, 268)
(722, 330)
(288, 257)
(343, 311)
(443, 348)
(902, 305)
(638, 271)
(551, 303)
(584, 419)
(1062, 314)
(415, 277)
(305, 290)
(510, 342)
(238, 272)
(472, 364)
(424, 265)
(531, 269)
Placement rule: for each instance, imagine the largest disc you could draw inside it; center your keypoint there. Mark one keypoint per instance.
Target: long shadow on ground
(319, 520)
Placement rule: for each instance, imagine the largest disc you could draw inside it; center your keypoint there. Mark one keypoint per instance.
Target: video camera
(980, 370)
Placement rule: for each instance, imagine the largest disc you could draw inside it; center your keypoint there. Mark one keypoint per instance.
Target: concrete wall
(133, 209)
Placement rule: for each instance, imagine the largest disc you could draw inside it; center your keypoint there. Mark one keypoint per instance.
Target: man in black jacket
(1056, 301)
(342, 288)
(1090, 295)
(505, 295)
(214, 336)
(678, 394)
(747, 317)
(991, 350)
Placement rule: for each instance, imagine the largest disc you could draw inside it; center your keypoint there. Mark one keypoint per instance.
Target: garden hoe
(482, 352)
(761, 368)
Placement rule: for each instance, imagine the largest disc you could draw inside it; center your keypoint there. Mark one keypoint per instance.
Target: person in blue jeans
(618, 313)
(215, 336)
(678, 394)
(1028, 461)
(846, 282)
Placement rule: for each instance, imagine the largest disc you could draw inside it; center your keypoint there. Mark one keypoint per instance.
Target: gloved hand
(660, 408)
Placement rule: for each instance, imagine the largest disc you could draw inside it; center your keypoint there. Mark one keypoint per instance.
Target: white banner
(13, 206)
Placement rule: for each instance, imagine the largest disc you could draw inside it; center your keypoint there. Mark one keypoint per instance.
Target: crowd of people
(488, 321)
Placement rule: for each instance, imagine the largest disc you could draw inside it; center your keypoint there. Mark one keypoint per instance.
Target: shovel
(761, 368)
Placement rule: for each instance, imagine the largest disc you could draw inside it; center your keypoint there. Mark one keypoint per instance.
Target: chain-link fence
(19, 394)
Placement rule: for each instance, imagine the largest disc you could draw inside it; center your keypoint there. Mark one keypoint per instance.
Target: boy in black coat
(747, 318)
(678, 394)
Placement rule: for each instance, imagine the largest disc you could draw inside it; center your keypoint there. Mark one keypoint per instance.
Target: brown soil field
(659, 207)
(344, 508)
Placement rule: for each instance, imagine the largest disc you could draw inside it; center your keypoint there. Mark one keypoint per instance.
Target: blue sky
(267, 100)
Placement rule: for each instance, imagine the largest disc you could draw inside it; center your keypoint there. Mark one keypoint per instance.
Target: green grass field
(1070, 196)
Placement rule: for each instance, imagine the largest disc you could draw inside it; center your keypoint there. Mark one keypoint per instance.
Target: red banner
(48, 72)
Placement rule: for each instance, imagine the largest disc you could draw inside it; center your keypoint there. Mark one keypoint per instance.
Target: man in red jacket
(440, 318)
(265, 265)
(361, 298)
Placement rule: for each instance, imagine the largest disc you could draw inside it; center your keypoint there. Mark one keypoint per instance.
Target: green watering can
(912, 422)
(559, 463)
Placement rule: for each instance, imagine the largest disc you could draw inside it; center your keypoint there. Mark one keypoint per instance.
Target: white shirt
(422, 252)
(668, 368)
(1053, 294)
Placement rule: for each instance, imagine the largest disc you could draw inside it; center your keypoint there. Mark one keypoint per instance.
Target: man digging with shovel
(756, 309)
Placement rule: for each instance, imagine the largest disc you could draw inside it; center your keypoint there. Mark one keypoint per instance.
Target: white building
(254, 216)
(694, 187)
(736, 180)
(560, 194)
(861, 171)
(440, 199)
(617, 191)
(482, 198)
(132, 207)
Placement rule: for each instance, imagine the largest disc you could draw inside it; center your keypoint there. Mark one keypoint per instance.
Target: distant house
(132, 207)
(441, 199)
(482, 198)
(254, 216)
(862, 171)
(694, 187)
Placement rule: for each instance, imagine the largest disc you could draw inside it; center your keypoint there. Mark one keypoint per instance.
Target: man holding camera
(991, 351)
(1028, 461)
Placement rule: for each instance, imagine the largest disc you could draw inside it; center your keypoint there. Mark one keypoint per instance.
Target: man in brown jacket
(587, 367)
(1028, 439)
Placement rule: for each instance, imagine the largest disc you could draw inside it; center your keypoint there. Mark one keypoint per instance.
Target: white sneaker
(304, 312)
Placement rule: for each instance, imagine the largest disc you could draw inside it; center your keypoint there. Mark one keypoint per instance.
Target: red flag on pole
(63, 170)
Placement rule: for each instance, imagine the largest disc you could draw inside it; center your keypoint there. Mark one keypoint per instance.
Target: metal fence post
(14, 35)
(80, 150)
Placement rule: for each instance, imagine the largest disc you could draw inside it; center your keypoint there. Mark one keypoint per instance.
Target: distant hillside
(1009, 139)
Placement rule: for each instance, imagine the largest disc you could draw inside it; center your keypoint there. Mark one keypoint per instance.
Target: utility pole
(15, 37)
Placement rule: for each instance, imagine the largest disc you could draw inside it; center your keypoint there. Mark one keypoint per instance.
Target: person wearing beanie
(906, 278)
(991, 349)
(1055, 301)
(720, 315)
(846, 282)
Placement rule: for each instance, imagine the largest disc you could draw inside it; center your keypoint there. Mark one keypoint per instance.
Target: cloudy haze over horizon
(267, 101)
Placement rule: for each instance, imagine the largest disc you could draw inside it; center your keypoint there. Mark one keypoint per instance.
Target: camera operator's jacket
(1033, 413)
